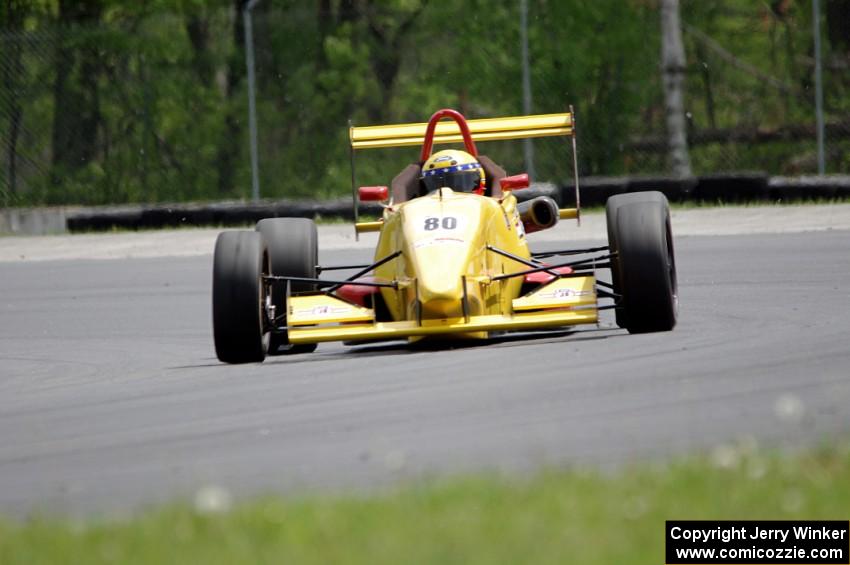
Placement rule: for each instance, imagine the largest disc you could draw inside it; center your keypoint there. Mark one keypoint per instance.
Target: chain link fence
(137, 106)
(95, 114)
(751, 89)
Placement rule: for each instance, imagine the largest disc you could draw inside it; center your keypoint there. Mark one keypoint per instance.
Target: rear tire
(644, 268)
(294, 250)
(238, 294)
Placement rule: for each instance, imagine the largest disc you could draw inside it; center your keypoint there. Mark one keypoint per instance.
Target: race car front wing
(565, 300)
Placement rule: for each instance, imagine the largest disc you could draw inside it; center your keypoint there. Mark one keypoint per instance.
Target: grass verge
(563, 516)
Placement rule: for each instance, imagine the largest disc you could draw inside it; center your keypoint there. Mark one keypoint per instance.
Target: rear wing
(486, 129)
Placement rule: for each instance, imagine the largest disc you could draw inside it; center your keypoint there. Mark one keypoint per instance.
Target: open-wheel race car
(452, 258)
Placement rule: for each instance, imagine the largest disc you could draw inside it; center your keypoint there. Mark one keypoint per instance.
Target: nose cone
(442, 232)
(440, 269)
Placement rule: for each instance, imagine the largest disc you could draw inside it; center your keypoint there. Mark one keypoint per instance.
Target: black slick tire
(293, 245)
(643, 269)
(238, 296)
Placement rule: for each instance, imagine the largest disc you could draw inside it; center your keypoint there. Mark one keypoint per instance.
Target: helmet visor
(465, 180)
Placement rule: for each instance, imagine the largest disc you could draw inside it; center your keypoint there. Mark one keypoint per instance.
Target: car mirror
(373, 193)
(515, 182)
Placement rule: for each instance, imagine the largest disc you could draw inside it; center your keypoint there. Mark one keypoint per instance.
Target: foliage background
(109, 101)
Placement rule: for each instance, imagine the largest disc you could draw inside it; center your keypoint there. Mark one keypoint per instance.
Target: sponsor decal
(438, 241)
(520, 228)
(450, 169)
(323, 310)
(560, 293)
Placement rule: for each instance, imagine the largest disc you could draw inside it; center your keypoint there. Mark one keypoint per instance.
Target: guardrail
(734, 188)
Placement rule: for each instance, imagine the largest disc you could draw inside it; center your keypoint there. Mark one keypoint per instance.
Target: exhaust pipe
(538, 213)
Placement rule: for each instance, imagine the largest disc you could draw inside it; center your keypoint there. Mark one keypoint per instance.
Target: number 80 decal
(446, 222)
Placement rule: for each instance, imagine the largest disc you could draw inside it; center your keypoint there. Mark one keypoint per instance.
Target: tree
(13, 14)
(76, 114)
(673, 77)
(226, 161)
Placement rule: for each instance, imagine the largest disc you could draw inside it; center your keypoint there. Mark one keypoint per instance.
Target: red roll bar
(428, 143)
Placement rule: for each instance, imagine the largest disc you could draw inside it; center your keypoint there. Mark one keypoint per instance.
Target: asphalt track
(111, 397)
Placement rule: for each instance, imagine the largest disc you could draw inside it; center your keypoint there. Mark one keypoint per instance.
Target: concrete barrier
(33, 221)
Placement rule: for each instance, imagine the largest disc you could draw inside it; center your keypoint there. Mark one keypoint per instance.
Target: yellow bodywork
(444, 278)
(457, 326)
(486, 129)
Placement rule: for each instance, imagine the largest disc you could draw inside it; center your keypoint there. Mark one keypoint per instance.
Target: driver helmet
(454, 169)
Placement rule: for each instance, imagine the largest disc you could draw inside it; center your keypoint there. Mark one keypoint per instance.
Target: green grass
(556, 516)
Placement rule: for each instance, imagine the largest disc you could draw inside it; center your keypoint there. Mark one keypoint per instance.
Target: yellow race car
(452, 258)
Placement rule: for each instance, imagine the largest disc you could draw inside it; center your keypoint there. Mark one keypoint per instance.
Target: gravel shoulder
(198, 242)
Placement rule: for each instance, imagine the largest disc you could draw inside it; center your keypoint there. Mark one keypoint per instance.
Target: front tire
(238, 295)
(294, 250)
(644, 267)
